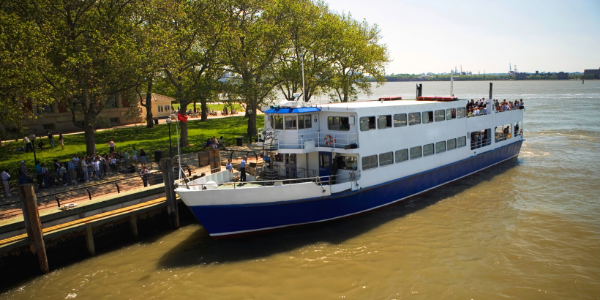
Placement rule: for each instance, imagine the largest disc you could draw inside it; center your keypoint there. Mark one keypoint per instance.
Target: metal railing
(482, 143)
(321, 139)
(321, 180)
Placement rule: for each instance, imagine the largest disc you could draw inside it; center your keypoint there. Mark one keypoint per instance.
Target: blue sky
(435, 36)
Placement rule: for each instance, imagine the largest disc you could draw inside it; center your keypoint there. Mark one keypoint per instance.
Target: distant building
(595, 72)
(520, 76)
(118, 111)
(562, 75)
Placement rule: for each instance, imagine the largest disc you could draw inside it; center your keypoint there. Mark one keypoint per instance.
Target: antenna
(303, 90)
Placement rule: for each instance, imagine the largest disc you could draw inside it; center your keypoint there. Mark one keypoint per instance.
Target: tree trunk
(204, 108)
(90, 137)
(183, 135)
(149, 123)
(195, 105)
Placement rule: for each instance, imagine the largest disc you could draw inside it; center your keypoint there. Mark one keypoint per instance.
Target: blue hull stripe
(226, 220)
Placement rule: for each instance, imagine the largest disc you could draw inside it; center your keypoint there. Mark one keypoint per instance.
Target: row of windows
(291, 122)
(384, 159)
(400, 120)
(162, 108)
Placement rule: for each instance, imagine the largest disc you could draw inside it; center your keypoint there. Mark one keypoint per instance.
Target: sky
(484, 36)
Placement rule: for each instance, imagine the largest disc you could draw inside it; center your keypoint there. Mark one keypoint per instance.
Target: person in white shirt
(5, 178)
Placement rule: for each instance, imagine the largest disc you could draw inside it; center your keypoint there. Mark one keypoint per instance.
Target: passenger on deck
(521, 105)
(228, 166)
(243, 169)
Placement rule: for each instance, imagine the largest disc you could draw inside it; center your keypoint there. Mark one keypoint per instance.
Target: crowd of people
(80, 169)
(482, 107)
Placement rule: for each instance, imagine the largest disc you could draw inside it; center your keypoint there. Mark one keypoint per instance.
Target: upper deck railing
(320, 139)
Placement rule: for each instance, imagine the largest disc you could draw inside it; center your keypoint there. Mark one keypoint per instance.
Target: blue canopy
(291, 110)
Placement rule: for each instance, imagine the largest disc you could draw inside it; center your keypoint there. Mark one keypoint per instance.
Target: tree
(308, 29)
(257, 39)
(22, 59)
(193, 33)
(92, 56)
(356, 54)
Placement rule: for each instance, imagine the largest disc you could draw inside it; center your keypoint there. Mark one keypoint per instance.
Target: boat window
(304, 122)
(347, 162)
(461, 112)
(427, 117)
(440, 115)
(399, 120)
(502, 132)
(401, 155)
(384, 121)
(386, 159)
(461, 141)
(338, 123)
(428, 149)
(451, 144)
(277, 122)
(480, 138)
(324, 160)
(414, 118)
(290, 122)
(450, 113)
(518, 129)
(415, 152)
(369, 162)
(367, 123)
(440, 147)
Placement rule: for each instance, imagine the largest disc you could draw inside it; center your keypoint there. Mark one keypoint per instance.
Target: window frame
(435, 115)
(405, 120)
(452, 117)
(464, 138)
(369, 118)
(416, 123)
(428, 114)
(432, 149)
(370, 165)
(454, 140)
(339, 118)
(388, 121)
(410, 152)
(396, 155)
(391, 160)
(464, 112)
(274, 122)
(436, 147)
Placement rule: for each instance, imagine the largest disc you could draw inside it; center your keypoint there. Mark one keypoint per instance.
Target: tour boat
(338, 160)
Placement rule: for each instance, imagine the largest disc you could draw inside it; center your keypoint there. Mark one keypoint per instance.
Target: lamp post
(32, 138)
(170, 147)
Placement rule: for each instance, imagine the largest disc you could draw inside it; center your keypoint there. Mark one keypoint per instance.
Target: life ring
(328, 140)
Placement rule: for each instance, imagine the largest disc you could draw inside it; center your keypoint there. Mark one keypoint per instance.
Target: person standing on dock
(228, 166)
(243, 169)
(5, 177)
(145, 173)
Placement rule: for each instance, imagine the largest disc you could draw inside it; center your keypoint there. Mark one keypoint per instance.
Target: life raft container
(437, 98)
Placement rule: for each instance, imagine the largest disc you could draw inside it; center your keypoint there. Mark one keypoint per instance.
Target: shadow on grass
(200, 248)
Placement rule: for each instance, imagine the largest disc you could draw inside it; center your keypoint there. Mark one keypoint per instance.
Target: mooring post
(89, 239)
(491, 83)
(133, 225)
(166, 165)
(33, 225)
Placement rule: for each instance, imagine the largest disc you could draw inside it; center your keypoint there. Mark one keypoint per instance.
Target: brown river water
(526, 229)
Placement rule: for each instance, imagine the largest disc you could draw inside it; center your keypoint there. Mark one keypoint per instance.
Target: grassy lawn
(156, 138)
(215, 107)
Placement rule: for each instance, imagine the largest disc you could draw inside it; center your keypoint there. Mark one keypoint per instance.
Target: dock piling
(133, 225)
(166, 164)
(491, 84)
(89, 239)
(33, 225)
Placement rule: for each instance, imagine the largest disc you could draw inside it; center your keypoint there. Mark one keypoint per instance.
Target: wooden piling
(166, 165)
(33, 225)
(133, 225)
(491, 84)
(89, 239)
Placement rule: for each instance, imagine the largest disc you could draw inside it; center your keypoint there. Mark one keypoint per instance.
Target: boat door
(324, 165)
(290, 165)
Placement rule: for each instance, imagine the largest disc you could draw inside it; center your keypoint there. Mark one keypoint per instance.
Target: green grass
(156, 138)
(216, 107)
